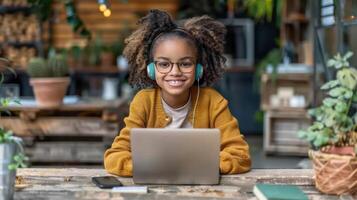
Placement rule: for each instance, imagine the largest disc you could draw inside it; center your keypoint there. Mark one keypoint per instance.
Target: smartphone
(106, 181)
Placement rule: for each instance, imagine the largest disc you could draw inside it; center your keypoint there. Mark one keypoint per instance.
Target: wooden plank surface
(122, 15)
(95, 104)
(67, 152)
(63, 126)
(73, 183)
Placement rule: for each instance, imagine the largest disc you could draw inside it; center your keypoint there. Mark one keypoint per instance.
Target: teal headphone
(150, 68)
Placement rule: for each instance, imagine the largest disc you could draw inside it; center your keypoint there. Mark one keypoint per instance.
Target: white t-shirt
(178, 115)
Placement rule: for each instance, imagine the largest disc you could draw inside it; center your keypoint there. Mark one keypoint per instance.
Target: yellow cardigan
(212, 111)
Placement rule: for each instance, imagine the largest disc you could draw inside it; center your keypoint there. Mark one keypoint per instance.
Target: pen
(130, 189)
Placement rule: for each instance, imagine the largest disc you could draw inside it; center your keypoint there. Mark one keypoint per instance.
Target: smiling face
(176, 83)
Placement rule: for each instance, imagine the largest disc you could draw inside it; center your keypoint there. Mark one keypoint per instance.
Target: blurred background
(276, 53)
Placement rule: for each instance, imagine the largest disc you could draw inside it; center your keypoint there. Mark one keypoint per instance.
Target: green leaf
(302, 134)
(348, 55)
(17, 101)
(341, 106)
(348, 94)
(5, 102)
(347, 77)
(316, 112)
(330, 84)
(331, 63)
(321, 140)
(346, 125)
(318, 125)
(341, 92)
(330, 120)
(336, 92)
(330, 102)
(339, 61)
(311, 136)
(338, 65)
(12, 166)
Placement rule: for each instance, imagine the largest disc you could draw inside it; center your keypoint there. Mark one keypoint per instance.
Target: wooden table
(72, 183)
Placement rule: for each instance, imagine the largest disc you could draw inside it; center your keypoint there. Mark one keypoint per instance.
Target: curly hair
(208, 35)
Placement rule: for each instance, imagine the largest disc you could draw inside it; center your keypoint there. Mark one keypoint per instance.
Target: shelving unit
(20, 33)
(296, 30)
(282, 121)
(74, 133)
(285, 115)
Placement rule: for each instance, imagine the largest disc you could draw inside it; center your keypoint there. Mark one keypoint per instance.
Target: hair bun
(207, 31)
(157, 21)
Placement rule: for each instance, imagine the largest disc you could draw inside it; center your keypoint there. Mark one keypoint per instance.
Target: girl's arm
(234, 155)
(117, 159)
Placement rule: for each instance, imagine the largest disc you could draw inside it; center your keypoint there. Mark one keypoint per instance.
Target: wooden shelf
(285, 109)
(98, 70)
(288, 76)
(296, 18)
(115, 70)
(240, 69)
(20, 44)
(12, 9)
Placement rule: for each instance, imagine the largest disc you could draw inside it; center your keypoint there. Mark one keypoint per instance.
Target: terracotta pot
(335, 174)
(107, 59)
(49, 92)
(347, 150)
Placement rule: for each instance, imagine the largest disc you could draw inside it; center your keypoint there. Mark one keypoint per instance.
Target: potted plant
(106, 56)
(333, 134)
(74, 56)
(49, 80)
(11, 151)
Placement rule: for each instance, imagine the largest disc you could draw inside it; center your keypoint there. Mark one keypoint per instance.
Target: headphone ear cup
(199, 72)
(150, 68)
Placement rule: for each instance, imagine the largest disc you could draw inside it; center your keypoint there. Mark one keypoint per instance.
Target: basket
(334, 174)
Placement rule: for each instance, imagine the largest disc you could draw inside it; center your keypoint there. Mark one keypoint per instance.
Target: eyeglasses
(166, 66)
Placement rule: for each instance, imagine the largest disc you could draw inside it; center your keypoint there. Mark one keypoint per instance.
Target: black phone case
(101, 181)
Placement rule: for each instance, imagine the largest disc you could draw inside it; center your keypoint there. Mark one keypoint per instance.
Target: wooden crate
(280, 132)
(74, 133)
(302, 84)
(64, 151)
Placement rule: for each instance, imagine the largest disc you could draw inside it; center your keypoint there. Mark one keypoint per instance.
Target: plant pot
(49, 92)
(107, 59)
(7, 177)
(335, 174)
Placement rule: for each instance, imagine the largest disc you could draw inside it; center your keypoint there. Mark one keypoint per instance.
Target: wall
(108, 27)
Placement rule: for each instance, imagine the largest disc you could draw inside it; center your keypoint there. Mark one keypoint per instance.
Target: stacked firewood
(19, 56)
(19, 28)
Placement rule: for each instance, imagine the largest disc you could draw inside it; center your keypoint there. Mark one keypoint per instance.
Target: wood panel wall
(123, 15)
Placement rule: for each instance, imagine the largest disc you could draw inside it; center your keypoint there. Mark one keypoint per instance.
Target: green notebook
(278, 192)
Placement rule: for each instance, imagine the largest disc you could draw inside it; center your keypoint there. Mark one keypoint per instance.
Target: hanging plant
(264, 9)
(43, 10)
(74, 20)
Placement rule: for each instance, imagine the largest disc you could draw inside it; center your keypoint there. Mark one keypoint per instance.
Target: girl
(167, 60)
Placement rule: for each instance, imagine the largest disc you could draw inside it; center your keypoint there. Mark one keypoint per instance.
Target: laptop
(175, 156)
